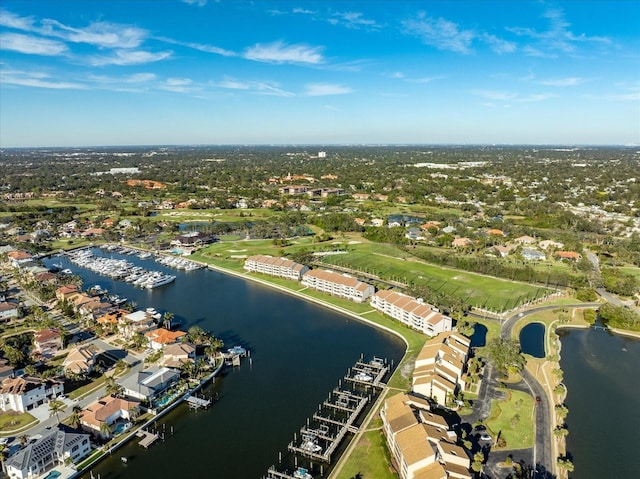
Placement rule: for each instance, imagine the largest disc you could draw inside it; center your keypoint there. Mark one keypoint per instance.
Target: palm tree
(24, 440)
(55, 407)
(105, 429)
(74, 419)
(113, 388)
(167, 318)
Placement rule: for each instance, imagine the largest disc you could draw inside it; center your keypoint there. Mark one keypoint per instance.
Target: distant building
(149, 384)
(158, 338)
(47, 342)
(80, 360)
(108, 410)
(8, 311)
(322, 154)
(280, 267)
(532, 254)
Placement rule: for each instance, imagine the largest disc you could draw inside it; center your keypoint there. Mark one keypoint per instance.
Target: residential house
(525, 240)
(108, 410)
(533, 254)
(47, 342)
(546, 244)
(461, 242)
(64, 293)
(280, 267)
(92, 232)
(149, 384)
(135, 322)
(158, 338)
(440, 367)
(55, 448)
(19, 258)
(495, 232)
(26, 392)
(175, 355)
(46, 277)
(337, 284)
(411, 312)
(8, 311)
(504, 251)
(568, 255)
(193, 238)
(415, 234)
(80, 360)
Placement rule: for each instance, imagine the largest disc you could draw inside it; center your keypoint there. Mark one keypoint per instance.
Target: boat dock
(197, 403)
(336, 418)
(368, 374)
(148, 438)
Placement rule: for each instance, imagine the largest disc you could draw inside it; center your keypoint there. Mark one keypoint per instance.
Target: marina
(336, 417)
(278, 328)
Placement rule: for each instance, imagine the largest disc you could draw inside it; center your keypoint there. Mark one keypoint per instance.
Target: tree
(113, 388)
(506, 355)
(105, 429)
(188, 368)
(167, 318)
(55, 406)
(74, 419)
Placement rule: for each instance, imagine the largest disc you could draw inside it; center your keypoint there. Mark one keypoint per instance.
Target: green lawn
(478, 290)
(14, 421)
(370, 459)
(512, 419)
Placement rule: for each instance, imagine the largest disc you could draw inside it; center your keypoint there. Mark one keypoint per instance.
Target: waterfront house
(158, 338)
(149, 384)
(135, 322)
(64, 293)
(336, 284)
(108, 410)
(47, 342)
(80, 360)
(26, 392)
(420, 443)
(19, 258)
(280, 267)
(439, 371)
(175, 355)
(411, 312)
(55, 448)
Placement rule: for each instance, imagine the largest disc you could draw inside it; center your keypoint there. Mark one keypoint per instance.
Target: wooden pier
(148, 438)
(368, 374)
(197, 403)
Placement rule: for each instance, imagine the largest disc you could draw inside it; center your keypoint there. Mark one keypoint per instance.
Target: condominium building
(440, 367)
(412, 312)
(281, 267)
(420, 442)
(337, 284)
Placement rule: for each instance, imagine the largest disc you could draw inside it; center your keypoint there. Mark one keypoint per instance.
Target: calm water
(532, 340)
(601, 374)
(299, 352)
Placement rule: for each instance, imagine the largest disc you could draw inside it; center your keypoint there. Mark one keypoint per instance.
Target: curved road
(542, 457)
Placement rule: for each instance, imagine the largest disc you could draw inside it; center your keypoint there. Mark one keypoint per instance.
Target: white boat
(66, 271)
(159, 281)
(302, 473)
(237, 350)
(364, 377)
(310, 443)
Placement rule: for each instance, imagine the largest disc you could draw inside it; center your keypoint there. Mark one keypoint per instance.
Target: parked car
(485, 437)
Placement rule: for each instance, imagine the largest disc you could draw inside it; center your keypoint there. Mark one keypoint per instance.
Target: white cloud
(100, 34)
(198, 3)
(11, 20)
(233, 85)
(500, 95)
(31, 45)
(36, 80)
(199, 46)
(279, 52)
(352, 20)
(571, 81)
(323, 89)
(304, 11)
(179, 85)
(440, 33)
(129, 57)
(497, 44)
(255, 87)
(557, 38)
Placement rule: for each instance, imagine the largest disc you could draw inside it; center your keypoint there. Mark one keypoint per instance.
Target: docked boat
(364, 377)
(302, 473)
(159, 281)
(310, 443)
(66, 271)
(237, 351)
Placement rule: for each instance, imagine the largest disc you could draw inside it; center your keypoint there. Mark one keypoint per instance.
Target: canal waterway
(601, 375)
(299, 351)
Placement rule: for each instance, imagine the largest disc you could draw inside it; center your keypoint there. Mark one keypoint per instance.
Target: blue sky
(125, 72)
